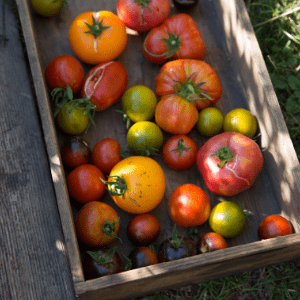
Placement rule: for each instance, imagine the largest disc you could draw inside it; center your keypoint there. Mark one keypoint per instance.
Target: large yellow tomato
(97, 37)
(137, 184)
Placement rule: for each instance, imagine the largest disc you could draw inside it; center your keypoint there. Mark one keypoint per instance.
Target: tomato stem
(176, 241)
(180, 147)
(103, 259)
(224, 154)
(109, 228)
(128, 265)
(96, 28)
(173, 43)
(117, 187)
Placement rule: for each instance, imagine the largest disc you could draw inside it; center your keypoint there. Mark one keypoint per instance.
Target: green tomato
(47, 8)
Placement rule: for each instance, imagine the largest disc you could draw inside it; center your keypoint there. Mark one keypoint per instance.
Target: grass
(276, 25)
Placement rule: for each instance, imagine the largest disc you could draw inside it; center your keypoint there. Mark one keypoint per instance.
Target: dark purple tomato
(142, 257)
(75, 152)
(185, 4)
(101, 262)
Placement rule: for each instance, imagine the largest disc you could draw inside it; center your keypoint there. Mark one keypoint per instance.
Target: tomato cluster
(188, 89)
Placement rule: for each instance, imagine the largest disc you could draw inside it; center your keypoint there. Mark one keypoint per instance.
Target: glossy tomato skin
(189, 205)
(273, 226)
(177, 37)
(142, 18)
(179, 152)
(142, 257)
(47, 8)
(106, 154)
(143, 229)
(84, 183)
(190, 72)
(75, 152)
(112, 84)
(93, 269)
(90, 220)
(167, 252)
(239, 173)
(210, 242)
(95, 49)
(63, 70)
(175, 114)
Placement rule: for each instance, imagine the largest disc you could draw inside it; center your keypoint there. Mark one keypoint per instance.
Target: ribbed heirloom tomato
(97, 37)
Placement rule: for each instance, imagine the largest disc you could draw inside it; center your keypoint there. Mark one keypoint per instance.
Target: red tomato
(179, 152)
(189, 206)
(177, 37)
(175, 114)
(63, 70)
(273, 226)
(143, 15)
(143, 229)
(229, 163)
(105, 84)
(191, 79)
(75, 152)
(84, 183)
(106, 154)
(97, 224)
(210, 242)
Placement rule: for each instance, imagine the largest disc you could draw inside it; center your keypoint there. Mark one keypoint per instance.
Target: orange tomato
(97, 37)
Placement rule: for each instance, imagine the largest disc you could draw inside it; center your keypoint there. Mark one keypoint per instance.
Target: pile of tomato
(188, 89)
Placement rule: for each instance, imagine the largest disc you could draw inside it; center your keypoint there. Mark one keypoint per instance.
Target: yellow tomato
(97, 37)
(137, 184)
(210, 121)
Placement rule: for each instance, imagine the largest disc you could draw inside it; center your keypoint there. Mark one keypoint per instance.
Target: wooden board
(233, 52)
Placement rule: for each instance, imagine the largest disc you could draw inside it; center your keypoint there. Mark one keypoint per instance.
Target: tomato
(104, 84)
(185, 4)
(177, 37)
(63, 70)
(273, 226)
(137, 184)
(142, 15)
(84, 183)
(144, 138)
(47, 8)
(101, 262)
(176, 248)
(179, 152)
(75, 152)
(210, 121)
(106, 154)
(138, 103)
(97, 37)
(210, 242)
(229, 163)
(175, 114)
(189, 206)
(192, 79)
(142, 257)
(143, 229)
(97, 224)
(227, 219)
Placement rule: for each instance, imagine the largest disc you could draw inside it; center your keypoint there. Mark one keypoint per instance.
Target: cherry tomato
(84, 183)
(189, 206)
(191, 79)
(175, 114)
(63, 70)
(101, 262)
(143, 15)
(47, 8)
(97, 37)
(180, 152)
(106, 154)
(97, 224)
(273, 226)
(75, 152)
(177, 37)
(210, 242)
(142, 257)
(105, 84)
(143, 229)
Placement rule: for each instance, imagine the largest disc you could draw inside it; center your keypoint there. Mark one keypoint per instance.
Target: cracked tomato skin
(139, 17)
(105, 83)
(145, 184)
(239, 172)
(106, 45)
(177, 37)
(191, 73)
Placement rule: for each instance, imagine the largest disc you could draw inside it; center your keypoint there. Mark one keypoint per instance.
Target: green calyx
(103, 259)
(175, 241)
(109, 228)
(191, 91)
(96, 28)
(173, 43)
(224, 154)
(180, 147)
(118, 187)
(143, 3)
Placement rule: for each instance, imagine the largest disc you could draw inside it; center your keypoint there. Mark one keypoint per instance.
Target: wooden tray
(233, 51)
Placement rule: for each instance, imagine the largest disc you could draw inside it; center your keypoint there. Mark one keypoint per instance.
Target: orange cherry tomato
(97, 37)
